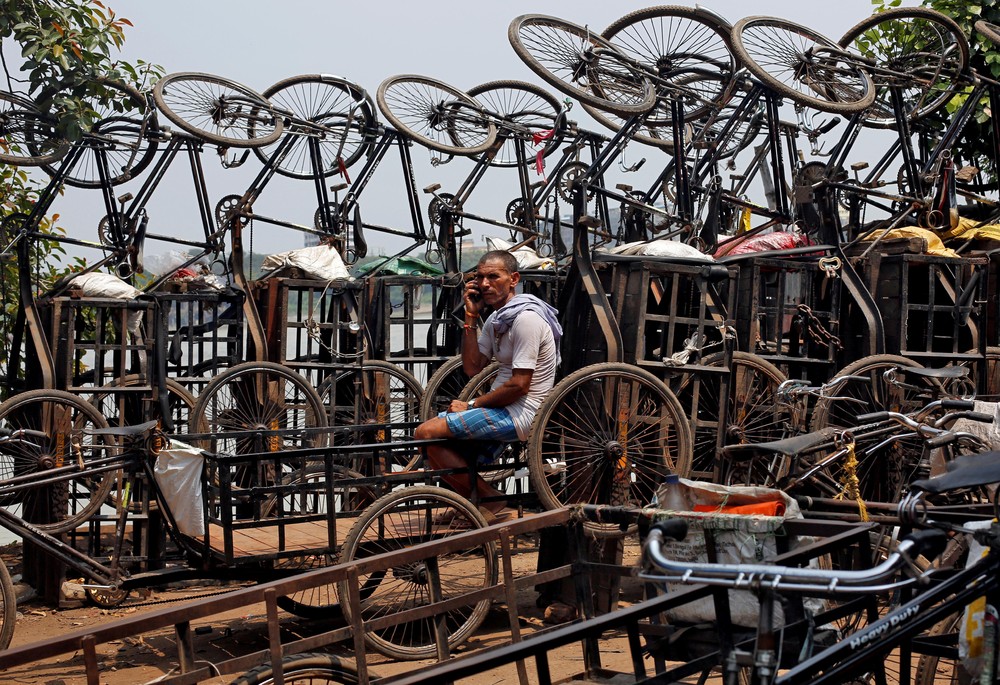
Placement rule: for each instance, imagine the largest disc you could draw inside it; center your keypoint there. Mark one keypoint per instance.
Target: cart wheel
(399, 520)
(372, 393)
(131, 408)
(306, 669)
(752, 414)
(260, 397)
(64, 418)
(8, 607)
(442, 387)
(607, 434)
(348, 501)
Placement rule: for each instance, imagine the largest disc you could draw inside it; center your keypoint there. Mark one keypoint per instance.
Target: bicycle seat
(787, 446)
(966, 471)
(945, 372)
(124, 431)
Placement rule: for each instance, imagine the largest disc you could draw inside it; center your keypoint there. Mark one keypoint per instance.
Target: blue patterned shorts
(481, 423)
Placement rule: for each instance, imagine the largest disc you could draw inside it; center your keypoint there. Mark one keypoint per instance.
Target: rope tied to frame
(851, 486)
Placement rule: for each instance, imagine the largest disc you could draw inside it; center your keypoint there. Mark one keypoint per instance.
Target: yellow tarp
(934, 244)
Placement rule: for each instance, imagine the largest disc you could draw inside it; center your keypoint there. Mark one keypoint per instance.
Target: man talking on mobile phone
(522, 332)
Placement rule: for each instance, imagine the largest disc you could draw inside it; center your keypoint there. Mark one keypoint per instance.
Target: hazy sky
(259, 42)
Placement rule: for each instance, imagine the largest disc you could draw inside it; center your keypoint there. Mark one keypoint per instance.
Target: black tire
(306, 669)
(443, 386)
(330, 102)
(63, 417)
(752, 416)
(389, 395)
(260, 396)
(8, 607)
(402, 519)
(481, 383)
(348, 499)
(929, 51)
(131, 408)
(529, 110)
(799, 63)
(217, 110)
(576, 446)
(436, 115)
(871, 395)
(118, 135)
(28, 137)
(884, 474)
(934, 670)
(581, 64)
(687, 48)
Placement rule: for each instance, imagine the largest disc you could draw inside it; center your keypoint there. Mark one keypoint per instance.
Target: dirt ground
(145, 658)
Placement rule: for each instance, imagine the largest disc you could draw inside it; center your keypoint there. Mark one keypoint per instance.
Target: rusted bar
(510, 591)
(89, 646)
(274, 636)
(185, 647)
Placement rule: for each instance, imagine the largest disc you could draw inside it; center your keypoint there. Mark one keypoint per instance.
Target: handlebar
(928, 543)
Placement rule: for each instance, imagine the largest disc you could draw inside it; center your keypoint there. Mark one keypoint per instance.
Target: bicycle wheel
(799, 63)
(402, 519)
(8, 607)
(307, 493)
(481, 383)
(940, 670)
(375, 393)
(306, 669)
(442, 387)
(753, 415)
(344, 110)
(688, 50)
(920, 51)
(436, 115)
(607, 434)
(28, 137)
(581, 64)
(874, 393)
(217, 110)
(64, 418)
(118, 138)
(131, 408)
(277, 404)
(525, 113)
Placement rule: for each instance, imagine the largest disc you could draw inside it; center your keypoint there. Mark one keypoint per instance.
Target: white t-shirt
(528, 344)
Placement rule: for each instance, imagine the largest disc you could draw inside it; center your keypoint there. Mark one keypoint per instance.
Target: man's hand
(458, 405)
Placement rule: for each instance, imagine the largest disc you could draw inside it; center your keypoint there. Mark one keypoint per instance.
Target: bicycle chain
(155, 602)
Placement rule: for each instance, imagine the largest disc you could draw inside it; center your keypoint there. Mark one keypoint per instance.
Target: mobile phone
(475, 296)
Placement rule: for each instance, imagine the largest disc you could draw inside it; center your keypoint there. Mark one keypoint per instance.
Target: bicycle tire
(781, 55)
(481, 383)
(436, 115)
(988, 30)
(326, 100)
(404, 518)
(317, 602)
(63, 417)
(939, 670)
(28, 137)
(391, 395)
(442, 387)
(131, 408)
(931, 49)
(575, 448)
(195, 103)
(525, 112)
(119, 134)
(259, 396)
(752, 415)
(684, 47)
(306, 669)
(8, 607)
(655, 128)
(564, 54)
